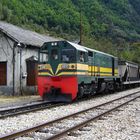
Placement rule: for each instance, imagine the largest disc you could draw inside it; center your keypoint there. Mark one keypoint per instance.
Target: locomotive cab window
(90, 57)
(82, 56)
(54, 54)
(90, 53)
(68, 55)
(43, 56)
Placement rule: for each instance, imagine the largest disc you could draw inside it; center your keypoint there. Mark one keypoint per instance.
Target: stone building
(18, 59)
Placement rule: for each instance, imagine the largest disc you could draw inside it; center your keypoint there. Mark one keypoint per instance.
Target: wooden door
(3, 73)
(31, 73)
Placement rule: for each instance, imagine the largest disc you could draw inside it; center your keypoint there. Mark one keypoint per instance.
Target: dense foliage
(107, 25)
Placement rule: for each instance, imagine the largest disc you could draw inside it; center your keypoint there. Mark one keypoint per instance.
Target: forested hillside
(108, 25)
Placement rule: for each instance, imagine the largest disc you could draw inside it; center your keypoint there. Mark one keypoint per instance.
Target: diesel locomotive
(68, 71)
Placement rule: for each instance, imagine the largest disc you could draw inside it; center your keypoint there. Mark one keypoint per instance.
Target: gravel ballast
(120, 125)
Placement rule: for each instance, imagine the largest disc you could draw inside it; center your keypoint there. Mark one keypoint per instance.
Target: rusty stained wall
(6, 55)
(26, 54)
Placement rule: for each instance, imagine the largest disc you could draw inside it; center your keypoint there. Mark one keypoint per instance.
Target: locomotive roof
(77, 46)
(85, 49)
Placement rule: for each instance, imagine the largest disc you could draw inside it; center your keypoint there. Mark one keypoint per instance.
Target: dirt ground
(9, 101)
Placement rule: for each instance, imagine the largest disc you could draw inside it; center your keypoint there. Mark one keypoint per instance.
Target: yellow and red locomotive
(68, 71)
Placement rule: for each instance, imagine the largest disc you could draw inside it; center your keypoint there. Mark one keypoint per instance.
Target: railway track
(26, 109)
(63, 126)
(14, 111)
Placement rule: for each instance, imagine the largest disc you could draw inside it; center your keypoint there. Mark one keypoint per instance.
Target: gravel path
(120, 125)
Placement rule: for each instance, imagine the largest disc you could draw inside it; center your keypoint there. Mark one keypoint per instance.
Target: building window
(3, 73)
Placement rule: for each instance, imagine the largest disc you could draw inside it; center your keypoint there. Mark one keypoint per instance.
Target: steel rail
(40, 126)
(26, 109)
(76, 127)
(17, 110)
(21, 107)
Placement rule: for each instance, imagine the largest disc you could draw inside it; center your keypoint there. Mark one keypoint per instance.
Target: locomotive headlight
(73, 66)
(41, 67)
(54, 43)
(65, 66)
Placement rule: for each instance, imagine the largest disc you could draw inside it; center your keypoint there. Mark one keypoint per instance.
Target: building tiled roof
(25, 36)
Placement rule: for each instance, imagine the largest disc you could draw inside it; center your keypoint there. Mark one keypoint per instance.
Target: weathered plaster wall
(6, 55)
(26, 54)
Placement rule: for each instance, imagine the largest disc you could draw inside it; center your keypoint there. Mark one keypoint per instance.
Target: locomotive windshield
(54, 54)
(43, 56)
(68, 55)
